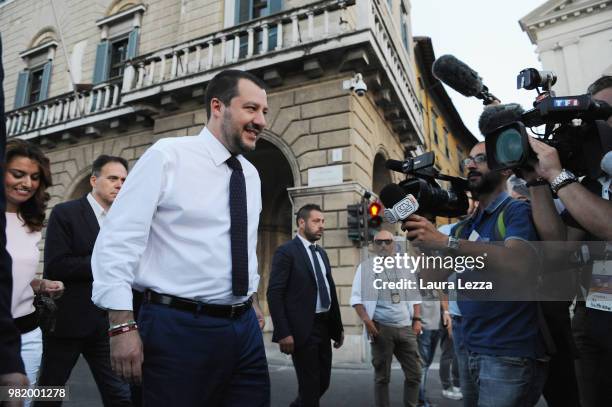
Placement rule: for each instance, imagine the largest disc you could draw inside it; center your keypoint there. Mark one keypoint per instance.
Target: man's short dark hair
(304, 212)
(600, 84)
(224, 86)
(104, 159)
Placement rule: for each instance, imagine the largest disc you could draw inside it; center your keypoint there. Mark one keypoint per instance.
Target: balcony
(268, 45)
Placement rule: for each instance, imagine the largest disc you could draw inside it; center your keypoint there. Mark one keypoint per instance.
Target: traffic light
(374, 219)
(355, 222)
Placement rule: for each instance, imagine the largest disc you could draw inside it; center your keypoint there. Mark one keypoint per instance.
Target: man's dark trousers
(312, 363)
(81, 327)
(201, 361)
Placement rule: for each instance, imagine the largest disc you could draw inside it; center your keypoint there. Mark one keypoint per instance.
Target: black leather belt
(26, 323)
(214, 310)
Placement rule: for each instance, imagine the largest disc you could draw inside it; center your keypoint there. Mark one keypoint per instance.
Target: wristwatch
(561, 180)
(453, 243)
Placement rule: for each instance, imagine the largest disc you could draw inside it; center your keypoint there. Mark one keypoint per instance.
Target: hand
(13, 380)
(127, 356)
(53, 289)
(417, 327)
(371, 328)
(420, 229)
(260, 317)
(528, 174)
(338, 344)
(448, 324)
(548, 165)
(287, 346)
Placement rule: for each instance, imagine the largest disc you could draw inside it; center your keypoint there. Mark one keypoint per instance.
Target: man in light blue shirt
(391, 324)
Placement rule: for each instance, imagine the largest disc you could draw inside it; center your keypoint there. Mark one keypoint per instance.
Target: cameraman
(505, 346)
(587, 217)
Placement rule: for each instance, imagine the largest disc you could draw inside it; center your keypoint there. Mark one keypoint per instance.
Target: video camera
(431, 197)
(574, 125)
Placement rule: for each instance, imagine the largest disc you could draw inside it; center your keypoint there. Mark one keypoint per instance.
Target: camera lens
(509, 148)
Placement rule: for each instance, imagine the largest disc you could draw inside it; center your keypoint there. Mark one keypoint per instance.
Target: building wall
(578, 49)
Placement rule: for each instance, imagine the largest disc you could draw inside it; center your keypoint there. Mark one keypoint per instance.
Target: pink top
(22, 245)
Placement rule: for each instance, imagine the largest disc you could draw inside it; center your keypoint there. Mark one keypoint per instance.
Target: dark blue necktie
(323, 294)
(238, 229)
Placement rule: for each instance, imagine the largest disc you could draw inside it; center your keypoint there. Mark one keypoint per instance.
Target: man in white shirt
(80, 326)
(391, 322)
(184, 231)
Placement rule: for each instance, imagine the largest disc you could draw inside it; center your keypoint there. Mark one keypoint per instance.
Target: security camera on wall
(356, 84)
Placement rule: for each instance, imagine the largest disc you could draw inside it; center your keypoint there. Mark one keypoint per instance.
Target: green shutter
(102, 62)
(274, 6)
(132, 48)
(46, 82)
(22, 88)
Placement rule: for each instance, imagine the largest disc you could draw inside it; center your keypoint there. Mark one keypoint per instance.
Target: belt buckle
(234, 310)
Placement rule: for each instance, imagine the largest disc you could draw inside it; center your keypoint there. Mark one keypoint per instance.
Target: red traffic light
(374, 209)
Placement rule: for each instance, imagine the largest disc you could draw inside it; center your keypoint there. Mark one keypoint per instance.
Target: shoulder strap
(500, 224)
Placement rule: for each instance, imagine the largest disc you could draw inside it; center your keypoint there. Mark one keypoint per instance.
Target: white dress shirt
(307, 245)
(169, 227)
(98, 210)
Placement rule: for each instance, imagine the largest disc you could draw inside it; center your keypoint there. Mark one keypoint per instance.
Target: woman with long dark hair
(26, 178)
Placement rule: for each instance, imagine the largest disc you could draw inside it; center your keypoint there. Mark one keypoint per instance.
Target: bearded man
(183, 230)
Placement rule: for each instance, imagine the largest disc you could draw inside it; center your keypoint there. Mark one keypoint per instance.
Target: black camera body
(432, 198)
(581, 146)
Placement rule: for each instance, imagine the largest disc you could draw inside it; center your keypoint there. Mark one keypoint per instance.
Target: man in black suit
(11, 365)
(81, 327)
(304, 306)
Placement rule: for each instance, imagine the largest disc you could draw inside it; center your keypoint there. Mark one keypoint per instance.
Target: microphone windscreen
(394, 165)
(494, 116)
(391, 194)
(457, 75)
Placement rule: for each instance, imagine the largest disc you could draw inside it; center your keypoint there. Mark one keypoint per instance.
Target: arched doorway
(81, 188)
(381, 176)
(275, 223)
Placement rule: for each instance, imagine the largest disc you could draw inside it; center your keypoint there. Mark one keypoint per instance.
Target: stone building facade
(138, 71)
(573, 39)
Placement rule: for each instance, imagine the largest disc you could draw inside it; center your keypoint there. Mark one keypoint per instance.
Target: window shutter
(274, 6)
(22, 89)
(102, 62)
(132, 47)
(46, 82)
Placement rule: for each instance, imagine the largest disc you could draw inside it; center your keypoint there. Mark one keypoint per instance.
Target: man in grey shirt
(391, 323)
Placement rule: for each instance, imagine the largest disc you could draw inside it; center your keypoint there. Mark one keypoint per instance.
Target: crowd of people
(134, 277)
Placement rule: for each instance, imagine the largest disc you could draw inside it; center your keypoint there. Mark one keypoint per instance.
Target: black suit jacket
(292, 294)
(71, 234)
(10, 340)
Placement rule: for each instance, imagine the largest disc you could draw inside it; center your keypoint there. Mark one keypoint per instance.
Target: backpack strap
(500, 223)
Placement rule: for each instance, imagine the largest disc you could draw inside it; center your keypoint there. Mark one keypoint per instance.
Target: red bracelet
(122, 330)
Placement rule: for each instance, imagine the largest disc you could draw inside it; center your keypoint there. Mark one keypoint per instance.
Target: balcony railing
(263, 42)
(290, 29)
(63, 108)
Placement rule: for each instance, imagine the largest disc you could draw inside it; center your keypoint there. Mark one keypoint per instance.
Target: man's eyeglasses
(477, 159)
(380, 242)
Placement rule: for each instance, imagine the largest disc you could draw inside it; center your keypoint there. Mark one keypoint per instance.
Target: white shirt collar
(217, 150)
(305, 242)
(97, 208)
